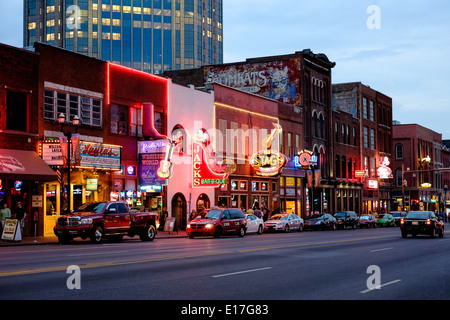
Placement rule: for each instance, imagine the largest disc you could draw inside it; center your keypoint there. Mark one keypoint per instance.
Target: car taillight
(428, 221)
(402, 221)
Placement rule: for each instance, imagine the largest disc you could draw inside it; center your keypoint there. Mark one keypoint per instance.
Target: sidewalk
(28, 241)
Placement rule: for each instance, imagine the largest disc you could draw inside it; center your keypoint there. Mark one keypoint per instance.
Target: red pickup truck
(111, 219)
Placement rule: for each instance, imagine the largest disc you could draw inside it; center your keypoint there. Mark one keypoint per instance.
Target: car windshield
(278, 217)
(213, 214)
(364, 218)
(396, 214)
(96, 207)
(340, 214)
(417, 215)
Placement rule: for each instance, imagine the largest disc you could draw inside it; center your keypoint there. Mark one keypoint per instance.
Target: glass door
(51, 207)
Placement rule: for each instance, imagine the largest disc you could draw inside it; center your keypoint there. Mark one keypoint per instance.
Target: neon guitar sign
(165, 170)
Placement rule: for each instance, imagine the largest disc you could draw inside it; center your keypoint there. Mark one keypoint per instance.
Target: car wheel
(333, 227)
(218, 232)
(300, 228)
(241, 232)
(64, 239)
(148, 234)
(404, 234)
(191, 237)
(286, 228)
(260, 230)
(97, 234)
(433, 233)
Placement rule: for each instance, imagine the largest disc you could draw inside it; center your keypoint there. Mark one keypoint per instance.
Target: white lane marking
(240, 272)
(384, 249)
(95, 253)
(383, 285)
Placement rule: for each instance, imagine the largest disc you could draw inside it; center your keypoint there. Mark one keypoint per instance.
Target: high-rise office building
(148, 35)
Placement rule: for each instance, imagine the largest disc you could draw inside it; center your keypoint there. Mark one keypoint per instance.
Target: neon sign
(202, 175)
(305, 159)
(268, 162)
(384, 172)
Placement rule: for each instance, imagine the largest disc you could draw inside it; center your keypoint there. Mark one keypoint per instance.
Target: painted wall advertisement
(278, 80)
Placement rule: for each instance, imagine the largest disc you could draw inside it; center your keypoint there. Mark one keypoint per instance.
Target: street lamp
(68, 134)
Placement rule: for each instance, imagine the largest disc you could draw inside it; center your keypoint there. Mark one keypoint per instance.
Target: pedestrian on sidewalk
(5, 213)
(20, 215)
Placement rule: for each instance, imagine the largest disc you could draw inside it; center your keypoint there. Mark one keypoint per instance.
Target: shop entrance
(179, 211)
(51, 207)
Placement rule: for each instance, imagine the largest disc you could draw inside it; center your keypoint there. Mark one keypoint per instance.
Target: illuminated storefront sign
(51, 153)
(152, 157)
(305, 159)
(99, 155)
(91, 184)
(202, 175)
(372, 184)
(383, 171)
(268, 162)
(360, 173)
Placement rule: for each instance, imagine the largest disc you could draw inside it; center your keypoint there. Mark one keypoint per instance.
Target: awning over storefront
(24, 165)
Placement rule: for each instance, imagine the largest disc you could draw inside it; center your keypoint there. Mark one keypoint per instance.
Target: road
(355, 264)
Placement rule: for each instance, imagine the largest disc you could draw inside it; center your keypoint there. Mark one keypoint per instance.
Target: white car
(284, 222)
(254, 224)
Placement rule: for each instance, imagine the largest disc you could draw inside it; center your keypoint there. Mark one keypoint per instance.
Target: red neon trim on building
(108, 88)
(139, 72)
(165, 81)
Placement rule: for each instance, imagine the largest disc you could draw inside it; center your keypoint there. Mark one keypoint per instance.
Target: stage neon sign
(268, 162)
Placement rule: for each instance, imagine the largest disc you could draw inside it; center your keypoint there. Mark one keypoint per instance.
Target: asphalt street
(360, 264)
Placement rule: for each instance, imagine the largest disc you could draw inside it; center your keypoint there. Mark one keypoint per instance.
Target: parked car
(386, 220)
(220, 221)
(323, 221)
(284, 222)
(368, 221)
(346, 219)
(254, 224)
(421, 222)
(107, 219)
(398, 215)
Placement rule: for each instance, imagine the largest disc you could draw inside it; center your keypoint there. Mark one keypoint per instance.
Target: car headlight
(86, 221)
(209, 226)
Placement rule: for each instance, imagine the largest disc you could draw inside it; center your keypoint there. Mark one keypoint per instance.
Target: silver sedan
(254, 224)
(284, 222)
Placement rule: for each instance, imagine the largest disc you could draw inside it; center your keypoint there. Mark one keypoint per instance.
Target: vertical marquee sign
(153, 155)
(202, 175)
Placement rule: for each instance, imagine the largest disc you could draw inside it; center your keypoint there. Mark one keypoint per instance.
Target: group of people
(19, 214)
(263, 213)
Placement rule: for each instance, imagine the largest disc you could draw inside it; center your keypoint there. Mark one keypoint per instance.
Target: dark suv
(220, 221)
(346, 219)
